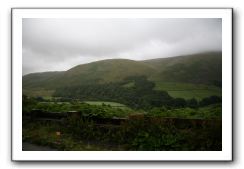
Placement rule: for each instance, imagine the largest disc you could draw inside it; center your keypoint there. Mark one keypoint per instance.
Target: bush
(210, 100)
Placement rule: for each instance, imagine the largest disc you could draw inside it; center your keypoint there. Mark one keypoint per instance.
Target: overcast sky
(59, 44)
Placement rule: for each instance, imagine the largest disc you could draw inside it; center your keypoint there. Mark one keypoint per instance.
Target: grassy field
(112, 104)
(187, 90)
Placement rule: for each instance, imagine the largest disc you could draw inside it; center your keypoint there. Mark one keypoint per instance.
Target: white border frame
(19, 155)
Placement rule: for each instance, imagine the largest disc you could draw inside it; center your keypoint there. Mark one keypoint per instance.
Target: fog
(59, 44)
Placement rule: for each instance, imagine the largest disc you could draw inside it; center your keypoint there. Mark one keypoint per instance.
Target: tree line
(141, 95)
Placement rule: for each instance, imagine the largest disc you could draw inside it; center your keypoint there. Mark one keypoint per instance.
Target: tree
(179, 102)
(192, 103)
(210, 100)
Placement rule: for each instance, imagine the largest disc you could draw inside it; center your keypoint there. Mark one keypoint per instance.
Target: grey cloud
(59, 44)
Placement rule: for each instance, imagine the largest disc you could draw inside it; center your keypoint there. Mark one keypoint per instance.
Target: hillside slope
(105, 71)
(41, 80)
(185, 73)
(204, 68)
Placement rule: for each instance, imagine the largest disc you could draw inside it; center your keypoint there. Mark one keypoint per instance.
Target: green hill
(107, 71)
(41, 80)
(182, 76)
(204, 68)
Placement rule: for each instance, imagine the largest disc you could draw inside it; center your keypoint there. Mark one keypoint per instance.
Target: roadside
(33, 147)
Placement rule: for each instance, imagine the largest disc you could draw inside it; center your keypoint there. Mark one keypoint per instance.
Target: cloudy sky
(59, 44)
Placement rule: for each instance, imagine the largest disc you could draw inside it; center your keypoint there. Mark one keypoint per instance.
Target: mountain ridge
(203, 68)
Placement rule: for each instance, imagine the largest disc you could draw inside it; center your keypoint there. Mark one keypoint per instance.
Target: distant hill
(203, 69)
(105, 71)
(41, 80)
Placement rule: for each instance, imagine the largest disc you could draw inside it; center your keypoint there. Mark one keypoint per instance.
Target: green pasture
(188, 90)
(112, 104)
